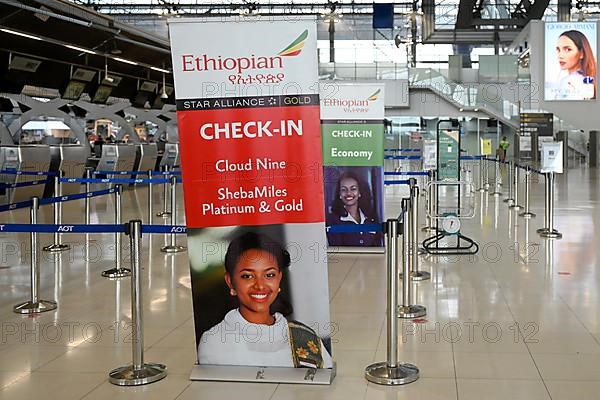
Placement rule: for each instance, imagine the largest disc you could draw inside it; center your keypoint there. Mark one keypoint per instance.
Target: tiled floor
(521, 320)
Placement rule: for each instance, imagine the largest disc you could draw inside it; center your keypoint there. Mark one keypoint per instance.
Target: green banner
(355, 144)
(448, 156)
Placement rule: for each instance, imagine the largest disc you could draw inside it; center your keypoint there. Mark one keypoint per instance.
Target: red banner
(250, 166)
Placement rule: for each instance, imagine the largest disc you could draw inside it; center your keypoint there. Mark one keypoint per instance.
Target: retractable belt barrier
(407, 150)
(413, 173)
(52, 200)
(403, 157)
(171, 172)
(400, 182)
(116, 180)
(29, 173)
(24, 184)
(96, 228)
(355, 228)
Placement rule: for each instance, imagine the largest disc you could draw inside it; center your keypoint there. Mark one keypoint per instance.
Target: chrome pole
(546, 206)
(486, 186)
(34, 305)
(150, 205)
(391, 372)
(165, 212)
(407, 310)
(416, 274)
(551, 232)
(173, 247)
(497, 191)
(138, 373)
(481, 175)
(57, 246)
(527, 213)
(511, 178)
(88, 189)
(515, 185)
(118, 271)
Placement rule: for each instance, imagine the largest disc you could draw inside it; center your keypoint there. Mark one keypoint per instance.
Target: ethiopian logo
(295, 47)
(373, 97)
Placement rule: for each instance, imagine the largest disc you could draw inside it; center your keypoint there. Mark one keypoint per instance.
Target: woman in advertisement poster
(577, 79)
(351, 206)
(256, 332)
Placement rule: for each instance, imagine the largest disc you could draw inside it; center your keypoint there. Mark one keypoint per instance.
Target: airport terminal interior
(473, 272)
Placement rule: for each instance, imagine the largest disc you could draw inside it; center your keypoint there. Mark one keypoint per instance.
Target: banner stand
(228, 373)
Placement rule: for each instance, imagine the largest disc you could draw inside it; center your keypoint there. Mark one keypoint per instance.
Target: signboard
(429, 155)
(524, 143)
(552, 157)
(486, 147)
(249, 129)
(353, 140)
(448, 154)
(570, 61)
(540, 124)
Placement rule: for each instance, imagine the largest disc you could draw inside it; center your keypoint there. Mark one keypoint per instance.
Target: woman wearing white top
(252, 334)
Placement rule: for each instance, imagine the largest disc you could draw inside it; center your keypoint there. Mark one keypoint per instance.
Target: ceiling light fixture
(164, 71)
(81, 49)
(20, 34)
(164, 94)
(125, 61)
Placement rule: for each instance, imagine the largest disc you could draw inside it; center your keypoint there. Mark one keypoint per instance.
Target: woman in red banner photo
(352, 205)
(577, 80)
(256, 332)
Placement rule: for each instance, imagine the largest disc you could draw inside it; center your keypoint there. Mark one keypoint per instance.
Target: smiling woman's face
(349, 191)
(256, 280)
(568, 54)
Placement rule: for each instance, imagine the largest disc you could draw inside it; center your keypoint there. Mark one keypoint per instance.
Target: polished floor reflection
(520, 320)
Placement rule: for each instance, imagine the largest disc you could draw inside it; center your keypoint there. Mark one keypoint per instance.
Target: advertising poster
(429, 155)
(353, 140)
(486, 147)
(249, 129)
(570, 61)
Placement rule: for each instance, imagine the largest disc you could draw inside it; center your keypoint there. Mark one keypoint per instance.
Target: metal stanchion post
(511, 178)
(165, 212)
(481, 175)
(139, 372)
(515, 185)
(391, 372)
(416, 274)
(118, 271)
(88, 188)
(546, 206)
(173, 247)
(497, 191)
(150, 207)
(57, 207)
(34, 305)
(486, 185)
(527, 214)
(407, 310)
(551, 232)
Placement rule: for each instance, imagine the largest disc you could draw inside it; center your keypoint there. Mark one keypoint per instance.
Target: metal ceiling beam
(464, 18)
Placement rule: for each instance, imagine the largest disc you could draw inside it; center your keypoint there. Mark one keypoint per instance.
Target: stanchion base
(552, 234)
(30, 307)
(527, 215)
(164, 214)
(128, 376)
(508, 200)
(381, 374)
(420, 276)
(516, 207)
(496, 194)
(412, 311)
(116, 273)
(542, 230)
(482, 190)
(56, 247)
(172, 249)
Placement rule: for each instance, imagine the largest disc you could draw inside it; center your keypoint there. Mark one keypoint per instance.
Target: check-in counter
(25, 157)
(145, 158)
(171, 155)
(117, 157)
(71, 159)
